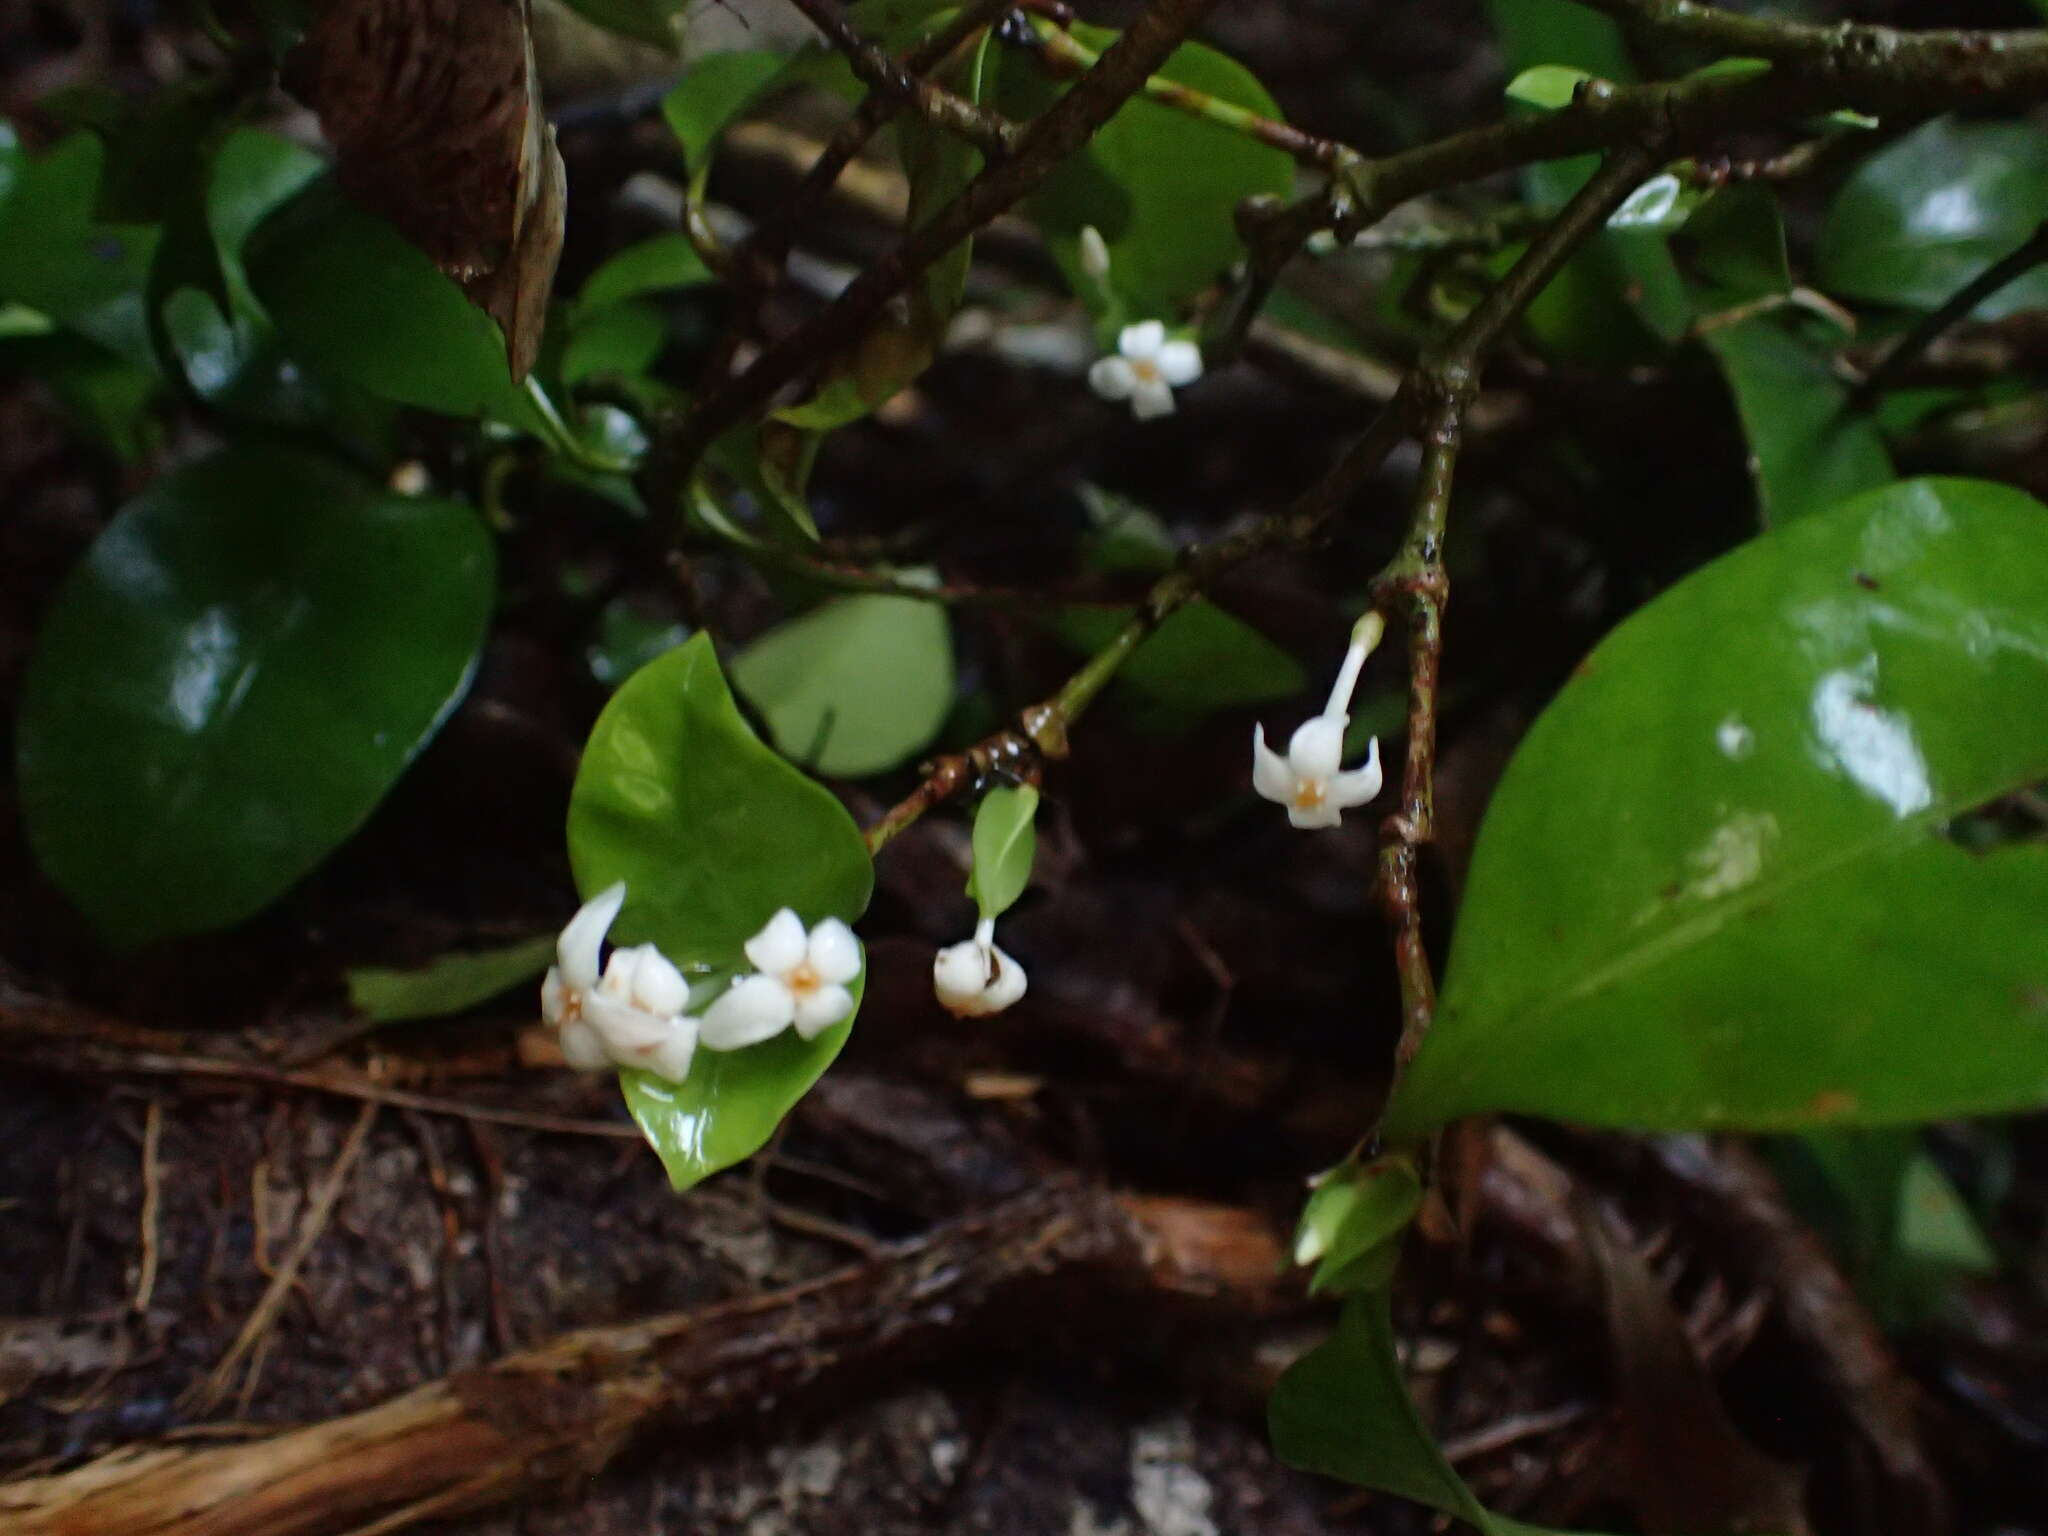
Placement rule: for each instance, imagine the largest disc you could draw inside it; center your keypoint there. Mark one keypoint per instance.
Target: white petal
(1360, 784)
(671, 1059)
(1142, 340)
(554, 996)
(1152, 398)
(821, 1008)
(1317, 748)
(1314, 818)
(582, 1048)
(658, 986)
(581, 941)
(778, 948)
(960, 974)
(1271, 776)
(753, 1009)
(625, 1030)
(834, 952)
(1113, 378)
(1180, 362)
(1007, 986)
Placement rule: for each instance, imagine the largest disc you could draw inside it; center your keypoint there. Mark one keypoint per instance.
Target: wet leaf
(1713, 887)
(452, 983)
(856, 686)
(713, 833)
(1924, 215)
(247, 659)
(1005, 846)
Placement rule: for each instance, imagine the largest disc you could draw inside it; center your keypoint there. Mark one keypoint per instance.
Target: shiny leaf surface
(712, 833)
(1923, 216)
(1713, 887)
(1005, 846)
(246, 660)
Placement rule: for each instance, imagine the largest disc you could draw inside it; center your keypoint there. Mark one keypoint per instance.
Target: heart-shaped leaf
(245, 662)
(713, 834)
(1713, 887)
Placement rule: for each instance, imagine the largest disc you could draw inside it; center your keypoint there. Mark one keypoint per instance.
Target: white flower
(632, 1015)
(1311, 780)
(1145, 369)
(800, 979)
(974, 978)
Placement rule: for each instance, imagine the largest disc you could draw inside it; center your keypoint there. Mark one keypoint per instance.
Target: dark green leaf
(1005, 846)
(712, 833)
(1201, 659)
(1713, 889)
(1735, 244)
(619, 341)
(451, 984)
(855, 686)
(245, 662)
(1808, 449)
(1923, 216)
(57, 256)
(1534, 32)
(361, 303)
(662, 262)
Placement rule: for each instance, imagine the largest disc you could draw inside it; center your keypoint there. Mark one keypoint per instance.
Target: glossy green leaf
(1548, 86)
(1201, 659)
(856, 686)
(657, 22)
(1355, 1214)
(450, 984)
(57, 256)
(245, 662)
(713, 91)
(1005, 846)
(1808, 449)
(1924, 215)
(1712, 888)
(254, 174)
(651, 266)
(1161, 186)
(361, 303)
(1343, 1410)
(712, 833)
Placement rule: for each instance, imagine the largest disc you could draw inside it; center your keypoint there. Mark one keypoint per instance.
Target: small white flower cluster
(1310, 780)
(632, 1013)
(1145, 369)
(973, 978)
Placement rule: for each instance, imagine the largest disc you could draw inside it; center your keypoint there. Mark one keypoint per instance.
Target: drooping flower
(1311, 780)
(799, 979)
(630, 1015)
(973, 978)
(1145, 369)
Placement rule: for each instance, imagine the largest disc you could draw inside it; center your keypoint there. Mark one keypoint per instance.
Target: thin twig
(1960, 305)
(990, 132)
(151, 1220)
(207, 1395)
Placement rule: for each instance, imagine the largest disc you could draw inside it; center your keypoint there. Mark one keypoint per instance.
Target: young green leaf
(710, 93)
(243, 665)
(1354, 1216)
(855, 686)
(1713, 890)
(1808, 450)
(713, 834)
(653, 265)
(1547, 86)
(1925, 214)
(450, 984)
(1005, 844)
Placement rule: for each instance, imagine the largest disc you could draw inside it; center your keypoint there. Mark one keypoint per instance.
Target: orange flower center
(804, 979)
(1146, 370)
(1308, 794)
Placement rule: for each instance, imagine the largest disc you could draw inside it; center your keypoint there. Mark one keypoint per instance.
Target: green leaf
(627, 639)
(59, 257)
(1162, 187)
(450, 984)
(106, 397)
(1548, 86)
(247, 659)
(658, 22)
(1344, 1411)
(254, 174)
(361, 303)
(710, 93)
(617, 342)
(1735, 244)
(1005, 845)
(1924, 215)
(651, 266)
(855, 686)
(1353, 1218)
(1534, 32)
(1200, 660)
(1712, 888)
(1808, 448)
(713, 834)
